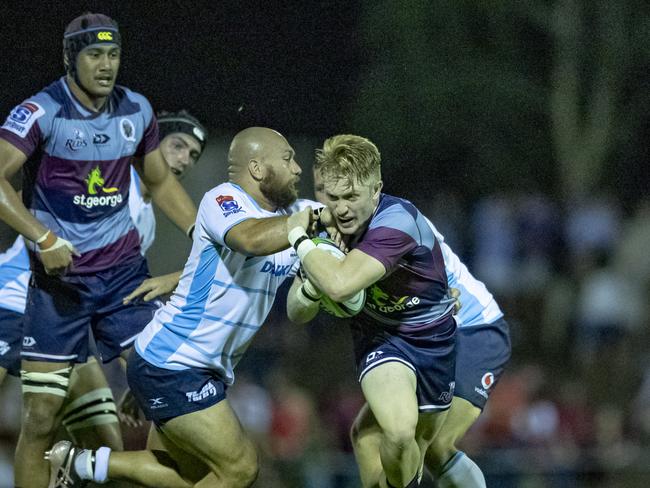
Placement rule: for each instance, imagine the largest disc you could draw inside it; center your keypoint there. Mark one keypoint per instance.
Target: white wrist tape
(304, 248)
(295, 234)
(311, 290)
(42, 239)
(59, 243)
(304, 298)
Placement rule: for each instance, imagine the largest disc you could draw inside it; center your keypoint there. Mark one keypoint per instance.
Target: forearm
(259, 237)
(327, 273)
(302, 305)
(14, 213)
(175, 203)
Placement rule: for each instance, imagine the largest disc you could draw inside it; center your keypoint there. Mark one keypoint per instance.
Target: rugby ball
(350, 307)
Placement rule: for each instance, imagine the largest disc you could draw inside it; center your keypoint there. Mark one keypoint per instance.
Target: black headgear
(85, 30)
(183, 121)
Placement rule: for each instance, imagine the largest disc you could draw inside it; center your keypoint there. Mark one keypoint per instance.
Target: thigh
(213, 435)
(186, 464)
(390, 390)
(90, 414)
(56, 321)
(482, 352)
(460, 418)
(115, 325)
(430, 354)
(44, 386)
(11, 337)
(164, 394)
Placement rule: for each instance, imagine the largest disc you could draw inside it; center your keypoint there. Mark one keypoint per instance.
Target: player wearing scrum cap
(75, 141)
(89, 414)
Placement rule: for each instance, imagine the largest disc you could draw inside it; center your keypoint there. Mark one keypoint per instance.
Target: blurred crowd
(572, 409)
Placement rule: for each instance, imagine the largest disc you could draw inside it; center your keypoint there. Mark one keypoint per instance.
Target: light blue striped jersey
(14, 277)
(223, 296)
(478, 305)
(142, 213)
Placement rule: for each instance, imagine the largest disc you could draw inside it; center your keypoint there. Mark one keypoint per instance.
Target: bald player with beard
(184, 358)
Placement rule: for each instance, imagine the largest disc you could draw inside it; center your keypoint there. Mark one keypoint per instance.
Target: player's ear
(256, 170)
(377, 189)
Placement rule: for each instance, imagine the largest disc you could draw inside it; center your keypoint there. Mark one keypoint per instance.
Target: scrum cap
(182, 121)
(84, 31)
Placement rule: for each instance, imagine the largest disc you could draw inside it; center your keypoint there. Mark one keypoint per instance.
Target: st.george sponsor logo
(96, 182)
(381, 301)
(103, 201)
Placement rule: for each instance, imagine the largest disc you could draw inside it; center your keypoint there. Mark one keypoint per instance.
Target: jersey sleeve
(28, 124)
(222, 208)
(150, 136)
(392, 234)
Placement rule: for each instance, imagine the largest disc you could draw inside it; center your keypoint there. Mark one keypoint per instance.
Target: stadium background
(520, 128)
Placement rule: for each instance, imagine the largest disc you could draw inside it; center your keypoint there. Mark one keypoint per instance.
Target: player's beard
(280, 195)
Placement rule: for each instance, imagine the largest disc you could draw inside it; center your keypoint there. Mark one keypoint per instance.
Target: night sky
(289, 65)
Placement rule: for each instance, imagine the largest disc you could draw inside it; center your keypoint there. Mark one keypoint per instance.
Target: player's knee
(355, 431)
(438, 454)
(400, 436)
(91, 411)
(245, 470)
(39, 415)
(43, 397)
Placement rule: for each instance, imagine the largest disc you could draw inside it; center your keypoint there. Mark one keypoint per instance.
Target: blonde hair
(351, 157)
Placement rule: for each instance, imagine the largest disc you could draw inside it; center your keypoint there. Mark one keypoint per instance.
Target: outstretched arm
(262, 237)
(154, 287)
(167, 193)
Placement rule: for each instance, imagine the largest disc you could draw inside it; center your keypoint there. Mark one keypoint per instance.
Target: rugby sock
(461, 471)
(93, 465)
(83, 464)
(101, 465)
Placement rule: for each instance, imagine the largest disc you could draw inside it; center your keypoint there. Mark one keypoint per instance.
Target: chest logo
(127, 129)
(381, 301)
(77, 142)
(95, 180)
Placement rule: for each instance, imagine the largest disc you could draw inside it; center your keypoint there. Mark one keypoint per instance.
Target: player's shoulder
(128, 101)
(230, 199)
(394, 212)
(40, 108)
(122, 91)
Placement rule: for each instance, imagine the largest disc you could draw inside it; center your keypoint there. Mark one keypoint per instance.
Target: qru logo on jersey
(99, 195)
